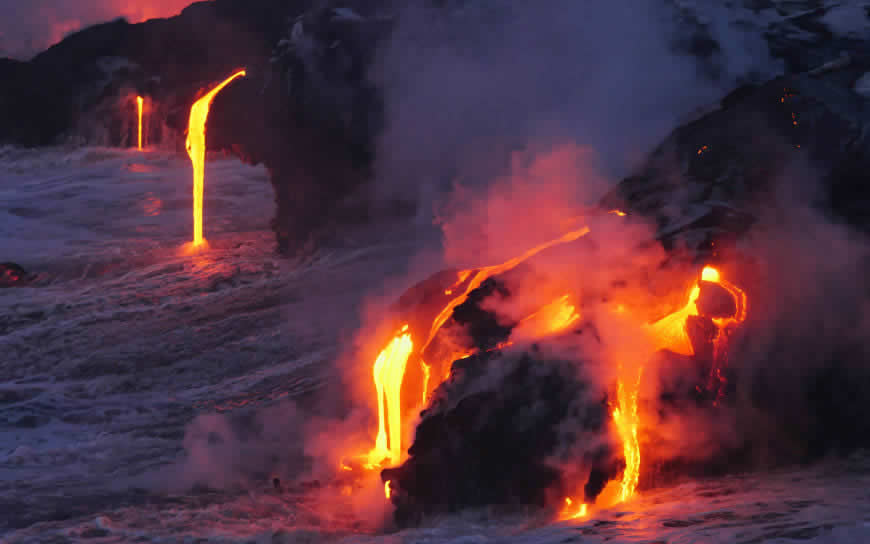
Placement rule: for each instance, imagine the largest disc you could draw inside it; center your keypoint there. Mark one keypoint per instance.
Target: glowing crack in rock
(196, 150)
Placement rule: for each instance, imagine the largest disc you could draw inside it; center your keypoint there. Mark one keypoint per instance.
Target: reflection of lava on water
(152, 206)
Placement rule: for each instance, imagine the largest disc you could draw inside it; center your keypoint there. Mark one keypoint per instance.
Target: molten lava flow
(387, 491)
(389, 370)
(427, 372)
(620, 213)
(570, 512)
(140, 102)
(625, 416)
(554, 317)
(196, 150)
(484, 273)
(670, 333)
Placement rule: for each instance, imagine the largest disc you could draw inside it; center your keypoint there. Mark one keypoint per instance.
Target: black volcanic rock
(493, 433)
(715, 301)
(712, 177)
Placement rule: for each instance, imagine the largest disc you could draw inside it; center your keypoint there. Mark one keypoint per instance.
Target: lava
(140, 103)
(552, 318)
(670, 333)
(667, 333)
(389, 367)
(196, 150)
(572, 512)
(427, 374)
(485, 273)
(626, 419)
(389, 371)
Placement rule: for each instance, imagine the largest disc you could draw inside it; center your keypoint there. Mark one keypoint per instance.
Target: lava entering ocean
(389, 367)
(560, 315)
(140, 102)
(196, 150)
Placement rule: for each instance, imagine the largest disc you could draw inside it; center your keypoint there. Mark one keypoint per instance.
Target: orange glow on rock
(196, 151)
(387, 491)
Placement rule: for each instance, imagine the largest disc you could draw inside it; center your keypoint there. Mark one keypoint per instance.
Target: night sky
(29, 26)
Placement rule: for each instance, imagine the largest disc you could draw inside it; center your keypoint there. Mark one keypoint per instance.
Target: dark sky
(29, 26)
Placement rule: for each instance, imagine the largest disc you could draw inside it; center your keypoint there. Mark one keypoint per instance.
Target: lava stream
(196, 150)
(389, 370)
(625, 416)
(140, 102)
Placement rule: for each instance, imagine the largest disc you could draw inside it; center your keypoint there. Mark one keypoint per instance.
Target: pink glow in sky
(29, 26)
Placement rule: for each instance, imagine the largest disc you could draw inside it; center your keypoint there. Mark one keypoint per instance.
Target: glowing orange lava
(140, 103)
(389, 370)
(552, 318)
(427, 373)
(196, 150)
(667, 333)
(482, 274)
(387, 491)
(626, 419)
(572, 512)
(670, 333)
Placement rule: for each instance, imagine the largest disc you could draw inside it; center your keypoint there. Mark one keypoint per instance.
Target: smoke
(802, 363)
(465, 89)
(240, 449)
(30, 27)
